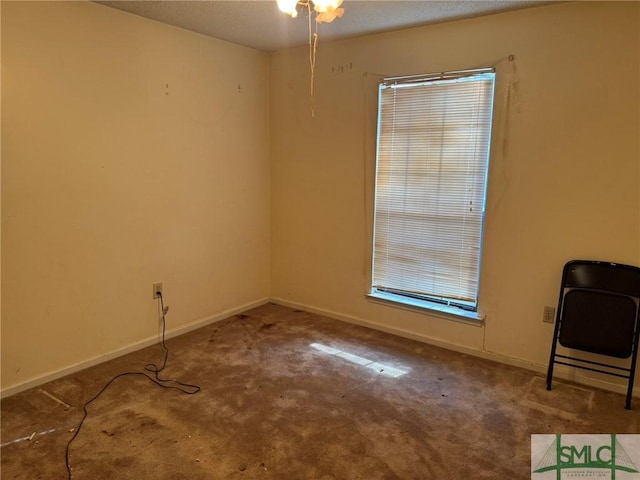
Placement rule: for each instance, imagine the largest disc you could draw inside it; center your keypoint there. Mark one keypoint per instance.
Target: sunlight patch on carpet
(381, 368)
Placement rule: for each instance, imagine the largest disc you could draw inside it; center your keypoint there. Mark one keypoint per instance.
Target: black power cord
(185, 388)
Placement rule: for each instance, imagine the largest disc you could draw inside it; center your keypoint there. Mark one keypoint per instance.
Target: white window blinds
(433, 150)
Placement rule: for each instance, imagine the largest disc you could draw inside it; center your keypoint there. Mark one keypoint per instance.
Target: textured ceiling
(259, 24)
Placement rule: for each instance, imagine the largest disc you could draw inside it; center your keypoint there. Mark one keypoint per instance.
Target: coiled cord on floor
(186, 388)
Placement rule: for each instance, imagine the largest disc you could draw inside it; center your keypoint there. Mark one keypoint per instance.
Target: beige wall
(564, 174)
(132, 153)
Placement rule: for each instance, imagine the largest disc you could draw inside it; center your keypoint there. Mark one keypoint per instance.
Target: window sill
(425, 307)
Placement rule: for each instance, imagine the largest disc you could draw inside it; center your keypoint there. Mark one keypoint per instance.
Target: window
(434, 136)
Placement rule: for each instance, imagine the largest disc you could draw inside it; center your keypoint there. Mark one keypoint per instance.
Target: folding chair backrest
(612, 277)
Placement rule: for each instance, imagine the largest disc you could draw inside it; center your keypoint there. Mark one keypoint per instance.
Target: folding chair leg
(632, 372)
(627, 404)
(552, 357)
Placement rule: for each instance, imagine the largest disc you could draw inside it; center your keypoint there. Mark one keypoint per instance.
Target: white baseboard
(130, 348)
(559, 372)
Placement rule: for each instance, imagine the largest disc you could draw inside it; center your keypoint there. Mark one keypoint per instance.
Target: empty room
(330, 240)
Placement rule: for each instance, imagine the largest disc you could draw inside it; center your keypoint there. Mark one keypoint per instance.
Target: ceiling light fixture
(325, 11)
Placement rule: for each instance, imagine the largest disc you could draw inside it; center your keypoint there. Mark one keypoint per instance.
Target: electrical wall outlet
(157, 287)
(549, 314)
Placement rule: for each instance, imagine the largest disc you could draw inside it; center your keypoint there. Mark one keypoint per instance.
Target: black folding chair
(598, 312)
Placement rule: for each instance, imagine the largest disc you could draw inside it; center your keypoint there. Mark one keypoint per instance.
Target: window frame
(423, 303)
